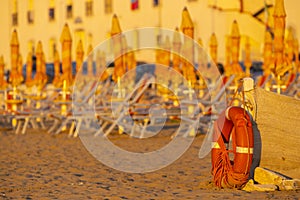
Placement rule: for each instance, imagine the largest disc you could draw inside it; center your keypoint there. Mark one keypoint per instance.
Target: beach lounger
(291, 85)
(36, 113)
(207, 110)
(77, 112)
(153, 119)
(263, 80)
(120, 108)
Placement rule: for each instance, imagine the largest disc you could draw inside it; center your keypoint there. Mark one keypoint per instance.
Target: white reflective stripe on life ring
(244, 150)
(215, 145)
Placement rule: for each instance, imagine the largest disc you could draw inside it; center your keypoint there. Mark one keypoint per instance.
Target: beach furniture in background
(119, 107)
(208, 108)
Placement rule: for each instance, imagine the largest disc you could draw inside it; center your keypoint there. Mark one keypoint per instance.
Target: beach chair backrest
(261, 82)
(143, 84)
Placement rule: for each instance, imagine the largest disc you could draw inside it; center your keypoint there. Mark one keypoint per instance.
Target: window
(15, 19)
(134, 4)
(15, 13)
(89, 7)
(108, 6)
(51, 14)
(69, 11)
(155, 3)
(30, 17)
(52, 10)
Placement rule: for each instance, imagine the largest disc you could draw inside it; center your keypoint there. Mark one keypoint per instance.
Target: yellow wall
(167, 16)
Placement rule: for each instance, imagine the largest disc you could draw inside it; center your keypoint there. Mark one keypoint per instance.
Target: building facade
(90, 21)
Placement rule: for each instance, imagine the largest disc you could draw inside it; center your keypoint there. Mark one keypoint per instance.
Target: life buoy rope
(234, 123)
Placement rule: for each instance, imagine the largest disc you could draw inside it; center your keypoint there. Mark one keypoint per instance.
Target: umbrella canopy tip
(115, 28)
(186, 21)
(213, 40)
(79, 47)
(66, 34)
(279, 10)
(235, 32)
(39, 48)
(90, 49)
(14, 38)
(176, 36)
(1, 60)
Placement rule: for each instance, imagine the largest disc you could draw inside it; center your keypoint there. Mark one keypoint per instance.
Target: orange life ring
(234, 122)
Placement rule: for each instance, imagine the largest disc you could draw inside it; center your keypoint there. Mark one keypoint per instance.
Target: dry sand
(40, 166)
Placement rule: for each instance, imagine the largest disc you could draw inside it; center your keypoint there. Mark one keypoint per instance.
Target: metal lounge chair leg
(101, 129)
(53, 126)
(132, 129)
(33, 123)
(144, 128)
(72, 128)
(61, 127)
(114, 124)
(78, 125)
(111, 128)
(176, 133)
(42, 124)
(25, 125)
(18, 126)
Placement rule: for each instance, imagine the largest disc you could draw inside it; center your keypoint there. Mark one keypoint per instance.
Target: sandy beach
(38, 165)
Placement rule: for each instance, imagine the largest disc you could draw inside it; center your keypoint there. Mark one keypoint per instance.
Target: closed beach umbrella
(268, 51)
(20, 68)
(79, 56)
(101, 65)
(213, 45)
(187, 27)
(119, 69)
(176, 50)
(57, 82)
(15, 78)
(235, 48)
(3, 82)
(66, 44)
(90, 71)
(40, 78)
(29, 81)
